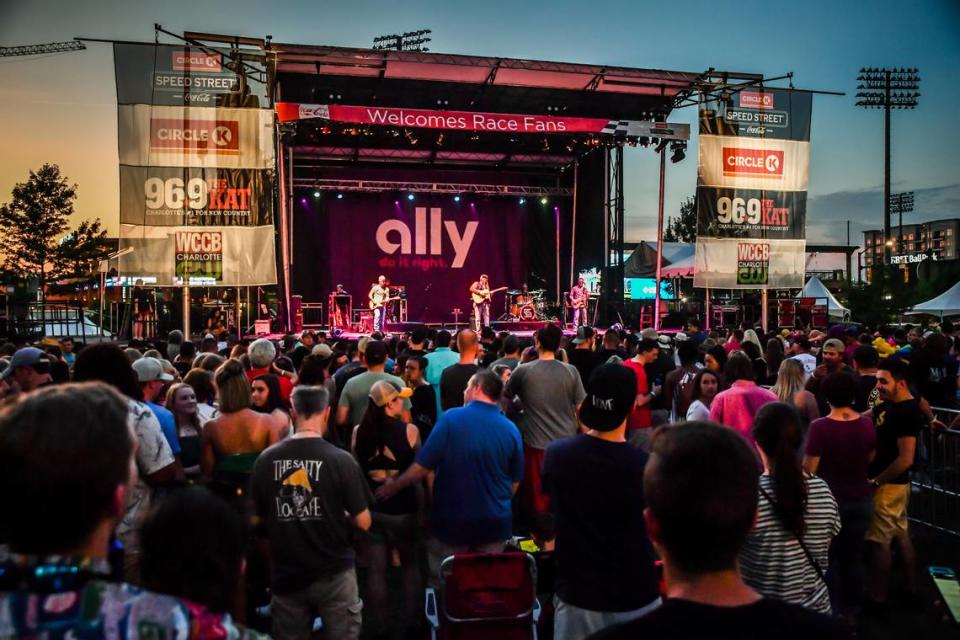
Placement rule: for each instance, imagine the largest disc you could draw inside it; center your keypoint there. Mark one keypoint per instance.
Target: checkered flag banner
(618, 128)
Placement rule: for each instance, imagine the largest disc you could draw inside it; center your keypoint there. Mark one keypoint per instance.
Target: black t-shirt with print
(765, 619)
(867, 394)
(303, 489)
(894, 420)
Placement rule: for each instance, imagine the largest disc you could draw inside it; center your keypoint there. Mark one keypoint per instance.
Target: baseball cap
(384, 391)
(680, 337)
(834, 344)
(664, 341)
(26, 357)
(362, 344)
(816, 335)
(611, 392)
(323, 350)
(584, 333)
(650, 333)
(150, 369)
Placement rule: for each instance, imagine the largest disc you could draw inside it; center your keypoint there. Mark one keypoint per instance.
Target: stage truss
(328, 184)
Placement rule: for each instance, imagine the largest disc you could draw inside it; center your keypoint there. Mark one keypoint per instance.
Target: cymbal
(514, 292)
(537, 292)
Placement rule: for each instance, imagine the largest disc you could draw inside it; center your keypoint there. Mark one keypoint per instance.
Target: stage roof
(336, 75)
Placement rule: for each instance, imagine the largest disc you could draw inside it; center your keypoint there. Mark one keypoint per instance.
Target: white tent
(816, 289)
(945, 304)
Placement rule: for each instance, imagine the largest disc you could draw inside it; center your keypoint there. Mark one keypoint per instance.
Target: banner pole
(573, 224)
(763, 310)
(706, 320)
(186, 311)
(656, 303)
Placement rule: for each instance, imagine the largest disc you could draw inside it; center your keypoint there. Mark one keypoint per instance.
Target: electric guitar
(578, 303)
(480, 298)
(374, 305)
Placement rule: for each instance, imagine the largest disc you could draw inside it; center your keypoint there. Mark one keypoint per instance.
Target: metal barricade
(935, 498)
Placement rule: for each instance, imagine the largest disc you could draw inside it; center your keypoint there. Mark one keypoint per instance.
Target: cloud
(827, 214)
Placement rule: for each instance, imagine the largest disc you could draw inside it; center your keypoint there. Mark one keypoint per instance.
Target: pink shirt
(736, 407)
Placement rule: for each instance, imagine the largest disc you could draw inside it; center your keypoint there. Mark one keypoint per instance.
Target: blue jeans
(845, 572)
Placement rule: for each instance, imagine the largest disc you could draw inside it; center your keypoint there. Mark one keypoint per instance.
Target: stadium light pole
(887, 89)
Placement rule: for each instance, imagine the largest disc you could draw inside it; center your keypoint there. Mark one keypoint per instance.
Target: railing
(36, 320)
(935, 499)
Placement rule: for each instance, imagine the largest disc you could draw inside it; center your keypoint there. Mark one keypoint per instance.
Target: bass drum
(528, 312)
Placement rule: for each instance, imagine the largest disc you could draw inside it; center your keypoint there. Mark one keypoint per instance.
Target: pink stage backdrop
(432, 244)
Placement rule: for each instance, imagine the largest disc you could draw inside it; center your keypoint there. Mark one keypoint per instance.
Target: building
(925, 246)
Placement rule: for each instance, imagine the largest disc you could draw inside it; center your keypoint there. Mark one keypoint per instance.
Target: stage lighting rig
(887, 89)
(679, 151)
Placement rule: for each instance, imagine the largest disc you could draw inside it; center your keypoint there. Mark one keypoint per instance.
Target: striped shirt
(772, 560)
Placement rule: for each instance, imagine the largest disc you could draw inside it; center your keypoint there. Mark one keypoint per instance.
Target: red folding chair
(485, 596)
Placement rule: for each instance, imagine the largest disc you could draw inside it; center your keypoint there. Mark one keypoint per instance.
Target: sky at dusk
(62, 108)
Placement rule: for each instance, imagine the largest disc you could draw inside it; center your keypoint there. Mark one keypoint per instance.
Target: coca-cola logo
(758, 163)
(756, 100)
(196, 61)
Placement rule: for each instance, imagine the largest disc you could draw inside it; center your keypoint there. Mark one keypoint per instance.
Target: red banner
(454, 120)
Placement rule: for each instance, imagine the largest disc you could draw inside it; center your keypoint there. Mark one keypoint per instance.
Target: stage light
(316, 194)
(543, 201)
(456, 198)
(410, 196)
(523, 201)
(339, 196)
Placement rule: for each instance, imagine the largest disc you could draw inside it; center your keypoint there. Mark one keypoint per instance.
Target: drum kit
(525, 305)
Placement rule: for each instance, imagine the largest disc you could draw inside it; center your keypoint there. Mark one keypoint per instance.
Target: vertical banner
(197, 164)
(752, 182)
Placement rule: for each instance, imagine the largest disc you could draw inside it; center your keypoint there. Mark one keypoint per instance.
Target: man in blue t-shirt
(605, 570)
(476, 455)
(152, 379)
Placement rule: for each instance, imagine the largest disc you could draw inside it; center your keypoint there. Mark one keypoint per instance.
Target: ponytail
(777, 430)
(370, 433)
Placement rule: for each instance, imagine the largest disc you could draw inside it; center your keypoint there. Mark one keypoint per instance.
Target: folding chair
(485, 596)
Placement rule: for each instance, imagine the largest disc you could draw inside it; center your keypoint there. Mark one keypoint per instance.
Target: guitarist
(579, 295)
(379, 297)
(480, 294)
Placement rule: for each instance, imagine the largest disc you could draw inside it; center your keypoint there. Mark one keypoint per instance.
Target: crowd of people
(734, 483)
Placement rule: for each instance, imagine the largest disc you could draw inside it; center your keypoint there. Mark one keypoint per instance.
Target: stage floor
(353, 335)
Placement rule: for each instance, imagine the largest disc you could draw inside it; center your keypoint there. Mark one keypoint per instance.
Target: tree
(32, 227)
(80, 252)
(684, 227)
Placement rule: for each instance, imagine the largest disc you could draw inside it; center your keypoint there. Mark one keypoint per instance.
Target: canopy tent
(677, 256)
(816, 289)
(945, 304)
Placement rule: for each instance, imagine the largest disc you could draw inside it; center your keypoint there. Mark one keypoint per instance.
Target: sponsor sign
(151, 136)
(755, 99)
(198, 254)
(187, 60)
(760, 113)
(762, 163)
(744, 213)
(753, 262)
(175, 197)
(225, 256)
(736, 263)
(754, 158)
(753, 163)
(197, 135)
(168, 75)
